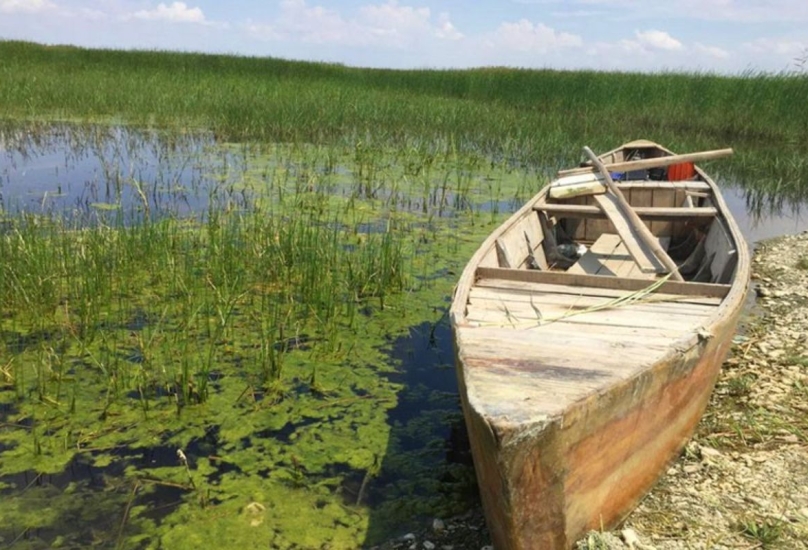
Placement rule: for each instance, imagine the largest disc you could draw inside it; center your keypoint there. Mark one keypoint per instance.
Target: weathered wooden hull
(564, 442)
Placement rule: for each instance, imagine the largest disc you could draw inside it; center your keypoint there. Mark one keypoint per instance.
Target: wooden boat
(582, 378)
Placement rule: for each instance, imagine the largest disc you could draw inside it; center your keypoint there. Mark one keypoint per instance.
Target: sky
(722, 36)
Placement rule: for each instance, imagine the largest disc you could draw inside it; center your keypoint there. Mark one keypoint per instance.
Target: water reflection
(91, 172)
(757, 222)
(86, 173)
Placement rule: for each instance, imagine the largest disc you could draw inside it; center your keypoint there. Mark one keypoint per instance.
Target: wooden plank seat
(600, 281)
(609, 256)
(645, 212)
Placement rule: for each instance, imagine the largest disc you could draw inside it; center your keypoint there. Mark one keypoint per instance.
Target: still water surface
(57, 173)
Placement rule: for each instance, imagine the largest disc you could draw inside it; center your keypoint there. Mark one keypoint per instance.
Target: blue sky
(726, 36)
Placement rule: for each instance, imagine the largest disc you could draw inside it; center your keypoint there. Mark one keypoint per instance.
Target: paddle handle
(656, 162)
(642, 231)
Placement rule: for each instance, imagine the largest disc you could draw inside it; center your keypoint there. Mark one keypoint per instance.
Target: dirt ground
(742, 482)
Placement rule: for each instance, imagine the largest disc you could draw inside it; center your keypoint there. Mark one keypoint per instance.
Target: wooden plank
(593, 261)
(591, 264)
(646, 212)
(686, 185)
(718, 245)
(657, 162)
(570, 349)
(552, 277)
(515, 247)
(595, 227)
(490, 259)
(566, 346)
(485, 297)
(616, 335)
(534, 236)
(504, 256)
(573, 186)
(630, 235)
(642, 200)
(622, 265)
(608, 256)
(663, 198)
(530, 288)
(522, 315)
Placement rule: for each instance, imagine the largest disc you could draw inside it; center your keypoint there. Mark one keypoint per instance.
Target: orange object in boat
(681, 172)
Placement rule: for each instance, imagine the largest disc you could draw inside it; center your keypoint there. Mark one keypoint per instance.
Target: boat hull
(547, 479)
(544, 487)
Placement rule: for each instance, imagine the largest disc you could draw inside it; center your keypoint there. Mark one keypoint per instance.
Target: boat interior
(587, 235)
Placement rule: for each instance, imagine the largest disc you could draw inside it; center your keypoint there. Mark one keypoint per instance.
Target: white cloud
(263, 31)
(712, 51)
(395, 18)
(176, 12)
(525, 36)
(746, 11)
(315, 24)
(389, 24)
(659, 40)
(26, 6)
(446, 30)
(781, 47)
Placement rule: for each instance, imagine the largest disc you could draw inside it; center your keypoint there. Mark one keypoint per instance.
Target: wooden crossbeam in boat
(655, 162)
(645, 212)
(601, 281)
(630, 234)
(654, 185)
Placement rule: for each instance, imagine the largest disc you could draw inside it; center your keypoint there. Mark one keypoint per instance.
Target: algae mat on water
(318, 461)
(270, 371)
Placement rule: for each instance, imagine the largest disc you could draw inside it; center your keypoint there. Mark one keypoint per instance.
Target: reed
(144, 290)
(538, 117)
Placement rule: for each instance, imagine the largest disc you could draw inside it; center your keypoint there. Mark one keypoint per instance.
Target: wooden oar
(656, 162)
(628, 223)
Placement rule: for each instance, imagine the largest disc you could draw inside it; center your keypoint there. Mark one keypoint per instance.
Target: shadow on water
(93, 502)
(426, 471)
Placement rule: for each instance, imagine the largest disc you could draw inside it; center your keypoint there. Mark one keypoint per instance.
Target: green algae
(258, 338)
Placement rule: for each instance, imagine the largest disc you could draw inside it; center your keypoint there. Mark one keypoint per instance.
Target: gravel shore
(742, 482)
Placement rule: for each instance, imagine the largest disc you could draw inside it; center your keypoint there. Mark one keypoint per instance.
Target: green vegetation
(252, 318)
(540, 118)
(766, 532)
(252, 334)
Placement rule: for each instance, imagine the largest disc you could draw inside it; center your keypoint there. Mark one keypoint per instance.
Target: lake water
(83, 173)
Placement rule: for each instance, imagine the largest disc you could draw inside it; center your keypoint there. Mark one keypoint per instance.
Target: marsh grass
(249, 287)
(535, 118)
(120, 299)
